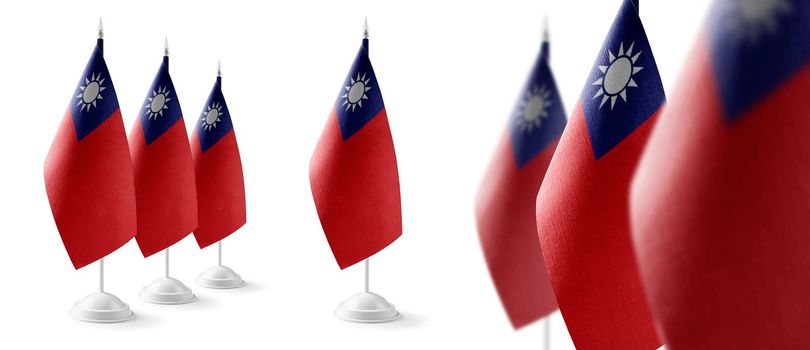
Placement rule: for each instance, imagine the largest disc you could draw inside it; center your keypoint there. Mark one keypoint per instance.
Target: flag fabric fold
(582, 206)
(88, 170)
(505, 205)
(218, 168)
(721, 196)
(353, 171)
(164, 170)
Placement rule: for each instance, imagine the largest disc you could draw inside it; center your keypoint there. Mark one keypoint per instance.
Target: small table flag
(582, 207)
(505, 206)
(164, 170)
(353, 171)
(88, 170)
(721, 197)
(218, 168)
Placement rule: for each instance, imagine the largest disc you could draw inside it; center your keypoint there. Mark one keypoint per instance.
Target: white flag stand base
(367, 308)
(167, 290)
(220, 277)
(101, 307)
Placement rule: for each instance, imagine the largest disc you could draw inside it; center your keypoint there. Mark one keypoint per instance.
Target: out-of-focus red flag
(721, 198)
(506, 199)
(582, 206)
(88, 171)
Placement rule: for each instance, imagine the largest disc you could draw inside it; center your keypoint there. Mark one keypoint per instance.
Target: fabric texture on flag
(721, 196)
(582, 206)
(353, 171)
(164, 170)
(505, 206)
(218, 169)
(88, 170)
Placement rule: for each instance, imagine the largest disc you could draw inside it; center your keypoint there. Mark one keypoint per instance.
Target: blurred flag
(721, 198)
(220, 185)
(505, 206)
(582, 206)
(164, 170)
(88, 171)
(353, 172)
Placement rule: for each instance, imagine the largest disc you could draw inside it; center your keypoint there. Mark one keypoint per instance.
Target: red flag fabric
(506, 199)
(353, 172)
(88, 170)
(721, 196)
(218, 168)
(164, 171)
(582, 205)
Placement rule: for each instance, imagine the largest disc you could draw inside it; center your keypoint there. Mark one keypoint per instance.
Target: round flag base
(167, 290)
(367, 308)
(220, 277)
(101, 308)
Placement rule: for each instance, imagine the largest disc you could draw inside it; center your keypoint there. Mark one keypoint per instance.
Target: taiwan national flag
(88, 170)
(505, 206)
(220, 185)
(164, 171)
(353, 172)
(721, 198)
(582, 207)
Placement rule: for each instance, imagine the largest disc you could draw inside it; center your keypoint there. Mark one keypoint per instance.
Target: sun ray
(635, 58)
(604, 99)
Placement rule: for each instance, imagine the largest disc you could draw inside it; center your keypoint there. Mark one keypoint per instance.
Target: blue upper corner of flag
(624, 88)
(161, 108)
(538, 117)
(755, 46)
(215, 119)
(94, 100)
(360, 99)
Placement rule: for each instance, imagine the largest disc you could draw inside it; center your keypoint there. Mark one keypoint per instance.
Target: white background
(449, 73)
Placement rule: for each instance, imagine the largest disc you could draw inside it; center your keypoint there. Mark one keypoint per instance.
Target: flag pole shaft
(547, 333)
(101, 276)
(366, 287)
(219, 253)
(167, 263)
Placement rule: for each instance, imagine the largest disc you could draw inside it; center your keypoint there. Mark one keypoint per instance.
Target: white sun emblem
(617, 75)
(533, 108)
(91, 92)
(749, 20)
(157, 103)
(210, 118)
(356, 92)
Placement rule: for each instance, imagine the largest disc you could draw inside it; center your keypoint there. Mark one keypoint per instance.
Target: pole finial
(166, 47)
(545, 27)
(100, 29)
(219, 68)
(365, 28)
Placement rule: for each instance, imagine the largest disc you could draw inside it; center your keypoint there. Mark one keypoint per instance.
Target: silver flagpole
(219, 253)
(366, 289)
(101, 275)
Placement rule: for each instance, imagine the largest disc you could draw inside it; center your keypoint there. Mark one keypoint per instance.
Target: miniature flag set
(158, 186)
(643, 221)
